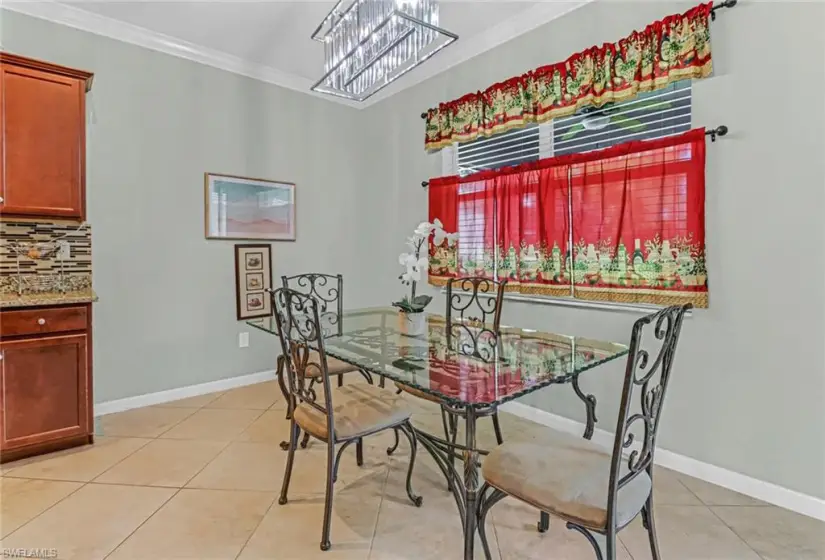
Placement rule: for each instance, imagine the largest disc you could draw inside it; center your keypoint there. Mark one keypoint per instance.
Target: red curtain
(443, 263)
(637, 232)
(638, 222)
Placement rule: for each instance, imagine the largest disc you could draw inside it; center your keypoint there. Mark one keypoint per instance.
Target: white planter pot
(415, 324)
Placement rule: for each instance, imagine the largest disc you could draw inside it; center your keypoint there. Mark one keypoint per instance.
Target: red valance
(623, 224)
(672, 49)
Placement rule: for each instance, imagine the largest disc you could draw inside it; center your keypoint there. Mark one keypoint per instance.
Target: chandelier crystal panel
(368, 44)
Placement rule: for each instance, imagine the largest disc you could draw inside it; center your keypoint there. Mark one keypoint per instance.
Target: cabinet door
(43, 126)
(44, 390)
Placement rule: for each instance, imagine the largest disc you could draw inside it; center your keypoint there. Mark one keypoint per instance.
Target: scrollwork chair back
(639, 418)
(474, 315)
(300, 330)
(326, 289)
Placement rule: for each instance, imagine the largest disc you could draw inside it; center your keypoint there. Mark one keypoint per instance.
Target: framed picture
(253, 276)
(246, 208)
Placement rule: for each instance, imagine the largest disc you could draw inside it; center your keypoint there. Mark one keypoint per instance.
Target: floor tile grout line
(160, 435)
(495, 532)
(732, 530)
(209, 462)
(82, 485)
(142, 523)
(253, 531)
(176, 423)
(380, 504)
(685, 486)
(110, 467)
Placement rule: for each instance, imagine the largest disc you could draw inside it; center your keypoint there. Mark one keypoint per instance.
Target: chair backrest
(648, 367)
(300, 331)
(474, 315)
(326, 289)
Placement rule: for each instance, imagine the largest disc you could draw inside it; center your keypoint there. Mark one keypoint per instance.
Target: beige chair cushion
(418, 393)
(567, 478)
(358, 410)
(334, 365)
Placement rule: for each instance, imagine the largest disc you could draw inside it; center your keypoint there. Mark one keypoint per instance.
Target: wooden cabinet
(45, 380)
(42, 146)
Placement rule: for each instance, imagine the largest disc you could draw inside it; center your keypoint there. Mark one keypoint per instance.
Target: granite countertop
(11, 300)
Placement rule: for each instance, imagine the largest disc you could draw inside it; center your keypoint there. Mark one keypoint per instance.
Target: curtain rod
(725, 4)
(720, 130)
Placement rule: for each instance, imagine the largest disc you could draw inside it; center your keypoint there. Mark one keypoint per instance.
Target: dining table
(470, 374)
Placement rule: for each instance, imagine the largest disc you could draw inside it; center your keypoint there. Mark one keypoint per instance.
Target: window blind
(656, 114)
(502, 150)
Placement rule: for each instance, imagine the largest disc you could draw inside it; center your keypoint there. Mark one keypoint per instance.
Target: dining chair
(596, 490)
(328, 291)
(348, 413)
(472, 328)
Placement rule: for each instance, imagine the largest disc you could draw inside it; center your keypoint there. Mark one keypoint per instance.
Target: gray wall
(749, 382)
(166, 316)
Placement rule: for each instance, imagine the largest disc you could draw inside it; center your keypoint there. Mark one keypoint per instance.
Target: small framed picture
(246, 208)
(254, 281)
(253, 277)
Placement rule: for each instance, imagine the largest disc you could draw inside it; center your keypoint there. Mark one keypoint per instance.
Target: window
(587, 225)
(650, 115)
(655, 114)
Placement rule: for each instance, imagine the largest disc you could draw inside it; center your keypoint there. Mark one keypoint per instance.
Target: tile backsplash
(29, 263)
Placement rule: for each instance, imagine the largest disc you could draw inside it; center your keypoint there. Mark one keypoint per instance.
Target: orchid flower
(424, 229)
(416, 264)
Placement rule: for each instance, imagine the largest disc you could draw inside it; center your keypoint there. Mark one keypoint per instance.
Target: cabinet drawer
(43, 321)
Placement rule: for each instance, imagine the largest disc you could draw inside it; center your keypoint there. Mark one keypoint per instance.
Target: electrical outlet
(243, 340)
(64, 253)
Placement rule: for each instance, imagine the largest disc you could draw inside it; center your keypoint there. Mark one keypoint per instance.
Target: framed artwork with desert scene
(253, 279)
(246, 208)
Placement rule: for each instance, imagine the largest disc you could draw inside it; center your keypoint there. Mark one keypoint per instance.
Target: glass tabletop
(463, 373)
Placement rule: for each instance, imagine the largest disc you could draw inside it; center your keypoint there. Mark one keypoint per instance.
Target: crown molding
(463, 50)
(83, 20)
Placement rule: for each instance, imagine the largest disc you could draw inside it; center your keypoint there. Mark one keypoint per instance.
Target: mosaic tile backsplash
(31, 263)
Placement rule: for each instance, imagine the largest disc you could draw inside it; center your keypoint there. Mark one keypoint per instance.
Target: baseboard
(759, 489)
(160, 397)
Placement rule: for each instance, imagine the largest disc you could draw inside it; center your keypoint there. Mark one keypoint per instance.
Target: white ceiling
(270, 40)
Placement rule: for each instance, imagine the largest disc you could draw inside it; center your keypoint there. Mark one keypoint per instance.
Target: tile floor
(199, 478)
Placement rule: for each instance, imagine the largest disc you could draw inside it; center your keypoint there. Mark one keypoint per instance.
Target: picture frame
(238, 207)
(253, 279)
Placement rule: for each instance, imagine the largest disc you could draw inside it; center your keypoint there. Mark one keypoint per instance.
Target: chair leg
(485, 504)
(367, 376)
(305, 440)
(280, 373)
(544, 522)
(391, 450)
(340, 379)
(410, 433)
(325, 544)
(446, 423)
(290, 459)
(359, 452)
(650, 525)
(497, 428)
(453, 421)
(593, 542)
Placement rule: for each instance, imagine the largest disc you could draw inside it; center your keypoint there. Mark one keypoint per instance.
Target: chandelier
(368, 44)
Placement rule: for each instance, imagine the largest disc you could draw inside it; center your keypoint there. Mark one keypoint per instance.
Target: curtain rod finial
(424, 115)
(720, 130)
(725, 4)
(425, 184)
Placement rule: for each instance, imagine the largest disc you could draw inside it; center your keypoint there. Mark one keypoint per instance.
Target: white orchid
(416, 263)
(424, 229)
